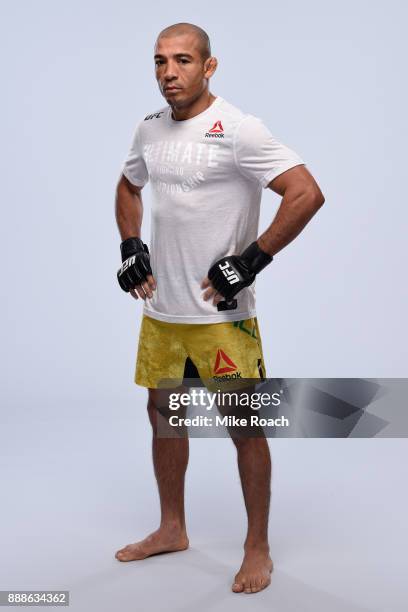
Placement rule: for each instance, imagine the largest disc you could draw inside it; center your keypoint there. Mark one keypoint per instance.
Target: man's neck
(195, 108)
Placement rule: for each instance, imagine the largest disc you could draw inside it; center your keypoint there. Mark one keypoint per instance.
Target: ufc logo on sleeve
(229, 273)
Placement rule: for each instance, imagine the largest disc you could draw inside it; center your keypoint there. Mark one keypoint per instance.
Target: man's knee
(158, 408)
(152, 410)
(248, 443)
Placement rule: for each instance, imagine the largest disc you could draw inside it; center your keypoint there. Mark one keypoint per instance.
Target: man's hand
(135, 275)
(211, 292)
(144, 290)
(232, 273)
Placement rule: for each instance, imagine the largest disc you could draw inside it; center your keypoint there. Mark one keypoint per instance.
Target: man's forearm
(294, 213)
(128, 210)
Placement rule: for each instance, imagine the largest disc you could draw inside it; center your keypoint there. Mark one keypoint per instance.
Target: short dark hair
(186, 28)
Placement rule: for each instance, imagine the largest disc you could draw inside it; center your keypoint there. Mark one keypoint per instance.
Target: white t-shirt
(206, 175)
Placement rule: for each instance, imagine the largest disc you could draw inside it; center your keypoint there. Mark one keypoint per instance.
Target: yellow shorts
(221, 353)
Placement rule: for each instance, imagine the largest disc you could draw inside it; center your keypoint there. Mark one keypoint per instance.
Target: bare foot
(160, 541)
(255, 572)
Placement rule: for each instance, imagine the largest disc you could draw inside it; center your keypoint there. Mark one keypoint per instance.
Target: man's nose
(170, 71)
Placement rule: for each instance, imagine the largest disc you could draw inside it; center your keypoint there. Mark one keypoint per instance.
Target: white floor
(77, 489)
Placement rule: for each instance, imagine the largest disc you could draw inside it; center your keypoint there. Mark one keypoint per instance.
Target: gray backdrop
(328, 79)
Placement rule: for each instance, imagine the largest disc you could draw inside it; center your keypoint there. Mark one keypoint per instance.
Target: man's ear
(210, 66)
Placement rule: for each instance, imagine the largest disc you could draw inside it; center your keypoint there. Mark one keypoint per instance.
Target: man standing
(207, 163)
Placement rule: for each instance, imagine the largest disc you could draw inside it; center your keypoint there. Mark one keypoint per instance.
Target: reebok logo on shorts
(223, 363)
(217, 131)
(225, 366)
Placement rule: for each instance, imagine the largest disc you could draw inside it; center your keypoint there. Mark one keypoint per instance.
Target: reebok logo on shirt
(217, 131)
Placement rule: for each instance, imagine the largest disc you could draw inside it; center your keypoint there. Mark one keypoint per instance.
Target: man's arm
(128, 208)
(301, 199)
(129, 215)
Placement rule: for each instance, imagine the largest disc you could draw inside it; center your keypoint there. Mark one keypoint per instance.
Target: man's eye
(182, 60)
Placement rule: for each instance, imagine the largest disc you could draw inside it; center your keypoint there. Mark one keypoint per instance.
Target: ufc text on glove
(136, 263)
(232, 273)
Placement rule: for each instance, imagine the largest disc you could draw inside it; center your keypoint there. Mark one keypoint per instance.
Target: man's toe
(123, 553)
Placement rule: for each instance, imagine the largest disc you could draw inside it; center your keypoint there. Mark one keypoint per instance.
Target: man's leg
(254, 464)
(170, 459)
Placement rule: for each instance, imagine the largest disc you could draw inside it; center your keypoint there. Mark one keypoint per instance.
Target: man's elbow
(314, 196)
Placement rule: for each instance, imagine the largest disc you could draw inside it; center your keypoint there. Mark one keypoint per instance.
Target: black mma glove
(234, 272)
(136, 263)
